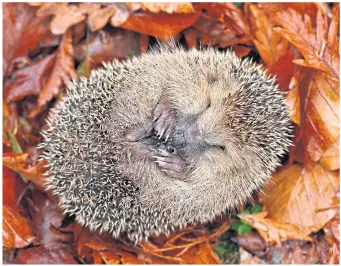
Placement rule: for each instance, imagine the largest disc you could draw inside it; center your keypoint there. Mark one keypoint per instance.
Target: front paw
(171, 163)
(164, 119)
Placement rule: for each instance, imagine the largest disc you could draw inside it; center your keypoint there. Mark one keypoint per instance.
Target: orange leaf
(200, 254)
(271, 46)
(296, 195)
(161, 25)
(331, 158)
(110, 257)
(313, 46)
(273, 231)
(17, 162)
(62, 72)
(17, 232)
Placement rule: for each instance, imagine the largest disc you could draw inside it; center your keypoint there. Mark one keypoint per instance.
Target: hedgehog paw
(164, 119)
(171, 163)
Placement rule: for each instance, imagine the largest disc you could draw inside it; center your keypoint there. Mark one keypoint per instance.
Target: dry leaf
(99, 18)
(169, 7)
(23, 32)
(121, 15)
(296, 195)
(270, 46)
(248, 258)
(17, 232)
(273, 231)
(17, 162)
(28, 80)
(162, 26)
(331, 158)
(63, 72)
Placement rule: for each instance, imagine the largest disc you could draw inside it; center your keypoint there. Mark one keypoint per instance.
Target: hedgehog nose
(178, 139)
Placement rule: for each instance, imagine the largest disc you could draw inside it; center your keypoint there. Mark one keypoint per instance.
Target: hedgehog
(164, 140)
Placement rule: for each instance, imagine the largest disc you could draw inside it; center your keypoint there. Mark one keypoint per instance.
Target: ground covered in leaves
(295, 219)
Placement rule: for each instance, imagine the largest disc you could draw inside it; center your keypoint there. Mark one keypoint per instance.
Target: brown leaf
(228, 14)
(296, 195)
(28, 80)
(331, 158)
(241, 51)
(46, 219)
(99, 18)
(248, 258)
(200, 254)
(64, 16)
(17, 232)
(121, 15)
(271, 46)
(110, 257)
(313, 46)
(273, 231)
(63, 71)
(23, 31)
(251, 241)
(169, 7)
(284, 78)
(39, 255)
(107, 44)
(17, 162)
(161, 25)
(13, 187)
(334, 254)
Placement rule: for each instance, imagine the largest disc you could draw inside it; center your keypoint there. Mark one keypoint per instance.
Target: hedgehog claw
(163, 119)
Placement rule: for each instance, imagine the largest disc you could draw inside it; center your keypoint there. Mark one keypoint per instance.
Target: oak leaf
(302, 196)
(273, 231)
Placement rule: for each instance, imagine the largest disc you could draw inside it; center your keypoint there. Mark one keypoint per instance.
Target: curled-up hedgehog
(167, 139)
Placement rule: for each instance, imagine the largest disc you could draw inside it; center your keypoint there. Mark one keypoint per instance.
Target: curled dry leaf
(270, 46)
(273, 231)
(296, 195)
(17, 232)
(162, 26)
(169, 7)
(63, 72)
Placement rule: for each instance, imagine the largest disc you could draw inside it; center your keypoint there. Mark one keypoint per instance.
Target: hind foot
(164, 119)
(171, 163)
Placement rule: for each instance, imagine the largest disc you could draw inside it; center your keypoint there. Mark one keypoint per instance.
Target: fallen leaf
(64, 16)
(297, 256)
(296, 195)
(121, 15)
(39, 255)
(17, 162)
(23, 31)
(251, 241)
(17, 232)
(110, 257)
(63, 71)
(46, 219)
(247, 258)
(331, 158)
(99, 18)
(200, 254)
(169, 7)
(106, 45)
(160, 25)
(273, 231)
(270, 46)
(334, 254)
(28, 80)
